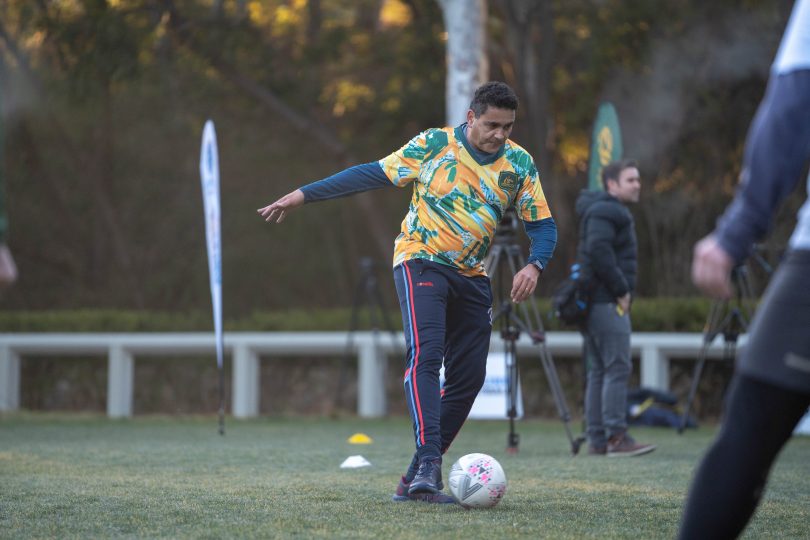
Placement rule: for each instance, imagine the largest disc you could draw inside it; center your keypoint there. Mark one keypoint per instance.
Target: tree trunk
(314, 21)
(8, 270)
(530, 32)
(530, 39)
(218, 9)
(467, 66)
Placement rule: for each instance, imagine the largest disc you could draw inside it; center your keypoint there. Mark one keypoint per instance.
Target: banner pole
(209, 177)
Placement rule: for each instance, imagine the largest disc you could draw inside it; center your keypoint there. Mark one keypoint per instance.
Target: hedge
(649, 315)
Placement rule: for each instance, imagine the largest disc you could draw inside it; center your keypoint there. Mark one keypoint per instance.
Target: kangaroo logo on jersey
(508, 181)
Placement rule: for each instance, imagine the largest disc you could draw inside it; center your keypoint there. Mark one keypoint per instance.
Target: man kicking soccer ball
(464, 179)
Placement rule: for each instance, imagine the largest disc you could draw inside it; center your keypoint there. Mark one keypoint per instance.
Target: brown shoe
(624, 445)
(597, 450)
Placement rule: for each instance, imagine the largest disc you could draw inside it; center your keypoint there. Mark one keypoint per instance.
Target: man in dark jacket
(607, 251)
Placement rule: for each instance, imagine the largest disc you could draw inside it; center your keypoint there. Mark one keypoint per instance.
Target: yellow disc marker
(360, 438)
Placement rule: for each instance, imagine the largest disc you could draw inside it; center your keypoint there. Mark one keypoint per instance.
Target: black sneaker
(428, 478)
(402, 495)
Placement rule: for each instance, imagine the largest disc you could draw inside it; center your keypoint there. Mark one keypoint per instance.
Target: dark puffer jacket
(607, 245)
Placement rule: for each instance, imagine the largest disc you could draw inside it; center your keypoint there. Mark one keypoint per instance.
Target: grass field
(87, 476)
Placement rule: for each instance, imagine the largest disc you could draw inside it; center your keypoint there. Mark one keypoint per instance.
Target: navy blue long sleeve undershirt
(543, 237)
(353, 180)
(369, 176)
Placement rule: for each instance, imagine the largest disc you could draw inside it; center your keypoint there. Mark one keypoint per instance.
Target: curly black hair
(496, 94)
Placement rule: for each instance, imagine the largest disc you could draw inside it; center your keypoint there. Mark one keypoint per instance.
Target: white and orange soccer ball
(477, 481)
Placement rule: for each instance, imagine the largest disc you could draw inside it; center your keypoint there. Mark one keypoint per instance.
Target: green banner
(606, 143)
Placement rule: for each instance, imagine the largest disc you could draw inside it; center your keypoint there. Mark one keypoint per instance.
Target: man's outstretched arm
(347, 182)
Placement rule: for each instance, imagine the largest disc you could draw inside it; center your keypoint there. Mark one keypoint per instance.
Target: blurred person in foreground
(609, 256)
(770, 390)
(464, 178)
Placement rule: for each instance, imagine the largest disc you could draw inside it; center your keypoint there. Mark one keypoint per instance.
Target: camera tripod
(366, 294)
(726, 317)
(505, 258)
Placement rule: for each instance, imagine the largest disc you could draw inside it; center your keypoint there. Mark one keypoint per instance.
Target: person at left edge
(464, 178)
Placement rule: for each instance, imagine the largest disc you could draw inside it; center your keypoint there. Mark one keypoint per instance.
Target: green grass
(87, 476)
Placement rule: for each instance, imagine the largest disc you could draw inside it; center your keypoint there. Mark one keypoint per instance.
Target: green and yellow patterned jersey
(458, 200)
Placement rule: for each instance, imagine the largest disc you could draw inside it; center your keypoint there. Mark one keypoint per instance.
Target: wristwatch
(538, 265)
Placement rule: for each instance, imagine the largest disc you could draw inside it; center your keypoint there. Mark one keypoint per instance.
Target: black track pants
(729, 483)
(446, 318)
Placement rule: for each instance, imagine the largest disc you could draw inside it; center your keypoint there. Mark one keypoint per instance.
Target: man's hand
(277, 211)
(711, 268)
(524, 283)
(623, 303)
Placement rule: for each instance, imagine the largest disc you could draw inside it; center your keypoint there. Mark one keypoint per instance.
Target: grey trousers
(609, 363)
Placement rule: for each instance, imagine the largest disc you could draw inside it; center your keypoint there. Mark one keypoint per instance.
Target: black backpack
(571, 299)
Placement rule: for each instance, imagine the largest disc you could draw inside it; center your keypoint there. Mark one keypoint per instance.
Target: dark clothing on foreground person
(770, 390)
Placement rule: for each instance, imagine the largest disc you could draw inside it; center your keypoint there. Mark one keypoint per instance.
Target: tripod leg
(353, 326)
(513, 261)
(714, 324)
(532, 324)
(493, 259)
(559, 397)
(512, 391)
(538, 337)
(701, 361)
(587, 349)
(745, 296)
(377, 296)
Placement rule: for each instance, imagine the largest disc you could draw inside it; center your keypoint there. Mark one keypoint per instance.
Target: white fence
(246, 348)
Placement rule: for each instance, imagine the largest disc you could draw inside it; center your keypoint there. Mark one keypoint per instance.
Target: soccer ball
(477, 481)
